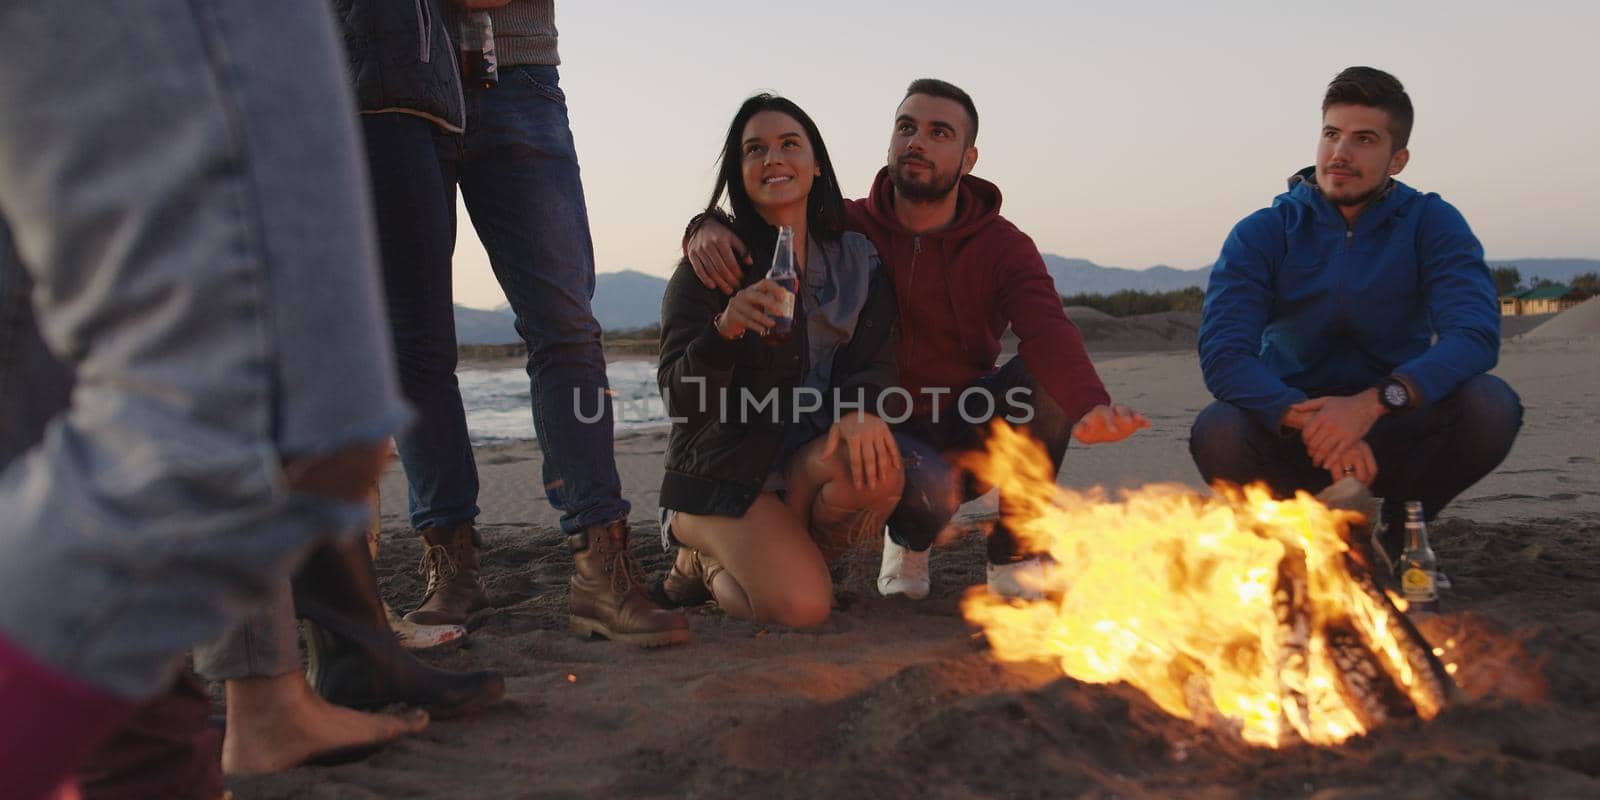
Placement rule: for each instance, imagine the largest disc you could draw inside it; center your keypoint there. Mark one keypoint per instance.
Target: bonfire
(1242, 613)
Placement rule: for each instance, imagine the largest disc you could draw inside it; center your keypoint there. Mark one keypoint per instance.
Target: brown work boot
(455, 583)
(608, 592)
(688, 583)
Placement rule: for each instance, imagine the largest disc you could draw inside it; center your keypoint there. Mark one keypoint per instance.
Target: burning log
(1293, 612)
(1363, 680)
(1240, 612)
(1413, 663)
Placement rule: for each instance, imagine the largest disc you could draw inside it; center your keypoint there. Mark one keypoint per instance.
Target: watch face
(1395, 395)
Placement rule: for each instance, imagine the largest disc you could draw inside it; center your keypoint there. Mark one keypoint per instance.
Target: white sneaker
(903, 571)
(1023, 580)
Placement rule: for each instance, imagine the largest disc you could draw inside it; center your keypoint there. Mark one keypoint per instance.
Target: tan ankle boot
(455, 583)
(608, 592)
(689, 584)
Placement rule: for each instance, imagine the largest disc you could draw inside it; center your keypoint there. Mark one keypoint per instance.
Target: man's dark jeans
(1429, 454)
(935, 487)
(519, 179)
(413, 162)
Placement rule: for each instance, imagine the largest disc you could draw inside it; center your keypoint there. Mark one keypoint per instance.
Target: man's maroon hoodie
(959, 288)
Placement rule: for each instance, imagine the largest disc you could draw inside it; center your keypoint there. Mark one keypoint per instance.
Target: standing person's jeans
(185, 191)
(936, 487)
(519, 178)
(1429, 454)
(413, 165)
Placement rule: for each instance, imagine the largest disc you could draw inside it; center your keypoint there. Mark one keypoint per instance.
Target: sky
(1131, 134)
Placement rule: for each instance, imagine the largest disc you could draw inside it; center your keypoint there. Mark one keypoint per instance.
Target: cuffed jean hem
(190, 206)
(264, 644)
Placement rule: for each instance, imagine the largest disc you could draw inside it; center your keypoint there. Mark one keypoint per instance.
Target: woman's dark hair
(825, 204)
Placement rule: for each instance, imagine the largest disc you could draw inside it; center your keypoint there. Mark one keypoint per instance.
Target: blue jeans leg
(520, 182)
(413, 162)
(1435, 453)
(931, 496)
(1230, 444)
(1429, 454)
(935, 487)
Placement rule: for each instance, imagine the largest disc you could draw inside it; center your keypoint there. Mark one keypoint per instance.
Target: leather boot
(608, 595)
(354, 658)
(411, 635)
(455, 581)
(688, 583)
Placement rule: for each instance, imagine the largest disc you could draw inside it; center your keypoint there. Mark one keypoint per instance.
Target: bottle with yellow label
(1419, 567)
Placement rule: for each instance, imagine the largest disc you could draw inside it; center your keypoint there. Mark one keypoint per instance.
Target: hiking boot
(455, 582)
(689, 584)
(903, 571)
(608, 596)
(354, 658)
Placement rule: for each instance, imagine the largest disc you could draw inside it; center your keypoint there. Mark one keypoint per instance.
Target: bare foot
(277, 723)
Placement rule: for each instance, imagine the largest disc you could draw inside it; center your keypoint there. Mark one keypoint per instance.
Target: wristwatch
(1394, 395)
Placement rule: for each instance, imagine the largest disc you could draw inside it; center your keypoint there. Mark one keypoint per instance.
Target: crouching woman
(778, 460)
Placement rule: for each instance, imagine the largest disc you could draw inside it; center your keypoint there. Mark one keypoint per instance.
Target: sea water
(499, 409)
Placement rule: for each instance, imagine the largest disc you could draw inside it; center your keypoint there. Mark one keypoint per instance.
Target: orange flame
(1180, 595)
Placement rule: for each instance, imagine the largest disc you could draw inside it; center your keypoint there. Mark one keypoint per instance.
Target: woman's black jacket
(717, 460)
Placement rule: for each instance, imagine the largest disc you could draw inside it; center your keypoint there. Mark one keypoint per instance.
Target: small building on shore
(1552, 299)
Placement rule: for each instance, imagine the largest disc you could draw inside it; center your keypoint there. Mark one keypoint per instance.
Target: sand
(893, 698)
(1579, 322)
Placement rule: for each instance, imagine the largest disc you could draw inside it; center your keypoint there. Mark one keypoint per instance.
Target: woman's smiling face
(776, 162)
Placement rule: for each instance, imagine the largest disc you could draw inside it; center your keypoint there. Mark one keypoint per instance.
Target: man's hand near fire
(1111, 423)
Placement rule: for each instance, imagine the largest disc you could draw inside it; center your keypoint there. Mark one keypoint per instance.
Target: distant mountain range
(632, 299)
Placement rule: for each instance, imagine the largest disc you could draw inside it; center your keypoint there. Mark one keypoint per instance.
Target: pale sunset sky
(1131, 134)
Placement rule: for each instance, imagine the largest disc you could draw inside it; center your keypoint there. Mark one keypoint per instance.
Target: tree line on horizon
(1133, 302)
(1508, 281)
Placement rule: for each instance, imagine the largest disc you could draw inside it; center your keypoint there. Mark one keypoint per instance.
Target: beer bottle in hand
(783, 274)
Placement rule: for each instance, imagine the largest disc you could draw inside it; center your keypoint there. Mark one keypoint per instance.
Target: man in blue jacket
(1348, 329)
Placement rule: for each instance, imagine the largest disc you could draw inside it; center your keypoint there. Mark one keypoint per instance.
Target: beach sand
(893, 698)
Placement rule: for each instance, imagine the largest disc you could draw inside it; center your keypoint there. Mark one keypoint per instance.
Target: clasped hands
(1334, 430)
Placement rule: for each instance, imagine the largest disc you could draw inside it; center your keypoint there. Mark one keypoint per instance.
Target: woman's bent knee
(801, 610)
(799, 602)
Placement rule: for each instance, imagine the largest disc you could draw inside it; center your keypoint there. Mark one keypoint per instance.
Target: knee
(1217, 441)
(1491, 411)
(346, 474)
(928, 492)
(572, 327)
(800, 607)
